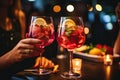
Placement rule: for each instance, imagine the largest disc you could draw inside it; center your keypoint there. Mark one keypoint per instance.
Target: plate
(95, 58)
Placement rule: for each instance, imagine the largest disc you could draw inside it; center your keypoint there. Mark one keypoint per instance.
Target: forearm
(6, 61)
(8, 64)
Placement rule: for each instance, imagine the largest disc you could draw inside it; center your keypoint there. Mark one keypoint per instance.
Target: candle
(77, 64)
(108, 59)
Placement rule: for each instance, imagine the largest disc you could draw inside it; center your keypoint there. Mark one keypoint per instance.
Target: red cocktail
(70, 35)
(42, 28)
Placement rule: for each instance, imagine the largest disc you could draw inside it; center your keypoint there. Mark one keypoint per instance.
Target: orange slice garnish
(40, 21)
(69, 22)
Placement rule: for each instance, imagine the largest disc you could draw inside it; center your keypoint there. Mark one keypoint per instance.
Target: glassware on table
(70, 35)
(108, 59)
(77, 65)
(42, 27)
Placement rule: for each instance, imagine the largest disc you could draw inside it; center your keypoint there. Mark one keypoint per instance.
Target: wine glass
(70, 35)
(42, 28)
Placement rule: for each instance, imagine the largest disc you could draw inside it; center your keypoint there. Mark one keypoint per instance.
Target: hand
(25, 49)
(46, 63)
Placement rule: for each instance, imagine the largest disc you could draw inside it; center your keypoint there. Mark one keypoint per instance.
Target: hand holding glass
(42, 28)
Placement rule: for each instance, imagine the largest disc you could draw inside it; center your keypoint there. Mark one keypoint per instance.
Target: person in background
(12, 24)
(116, 49)
(18, 16)
(16, 53)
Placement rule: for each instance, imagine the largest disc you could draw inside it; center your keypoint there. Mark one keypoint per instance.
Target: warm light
(90, 9)
(108, 71)
(77, 64)
(61, 49)
(86, 30)
(98, 7)
(57, 8)
(108, 59)
(70, 8)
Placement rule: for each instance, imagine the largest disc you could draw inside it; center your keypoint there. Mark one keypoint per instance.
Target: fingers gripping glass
(42, 28)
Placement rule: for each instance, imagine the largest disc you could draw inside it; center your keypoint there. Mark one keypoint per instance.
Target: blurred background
(99, 17)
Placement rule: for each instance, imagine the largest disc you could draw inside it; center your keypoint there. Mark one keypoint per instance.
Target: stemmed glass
(42, 27)
(70, 35)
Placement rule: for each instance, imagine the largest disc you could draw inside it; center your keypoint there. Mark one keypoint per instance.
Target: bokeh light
(31, 0)
(109, 26)
(91, 16)
(101, 16)
(57, 8)
(86, 30)
(113, 18)
(98, 7)
(106, 18)
(39, 4)
(70, 8)
(90, 9)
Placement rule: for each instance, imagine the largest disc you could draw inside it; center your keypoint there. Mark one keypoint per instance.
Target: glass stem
(40, 63)
(71, 65)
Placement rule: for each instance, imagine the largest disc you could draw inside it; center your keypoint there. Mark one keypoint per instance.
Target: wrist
(6, 61)
(9, 58)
